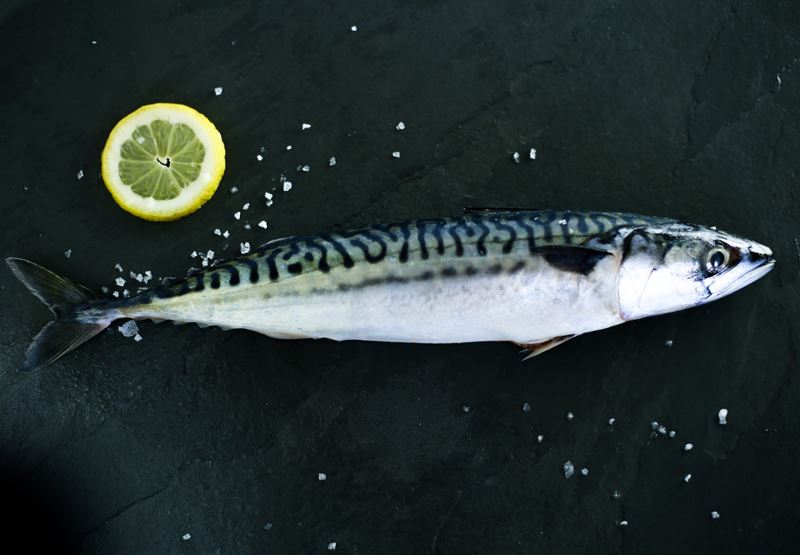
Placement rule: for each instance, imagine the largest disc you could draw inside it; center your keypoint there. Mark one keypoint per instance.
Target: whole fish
(535, 278)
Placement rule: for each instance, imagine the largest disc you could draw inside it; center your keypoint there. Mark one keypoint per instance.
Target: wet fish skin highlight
(533, 277)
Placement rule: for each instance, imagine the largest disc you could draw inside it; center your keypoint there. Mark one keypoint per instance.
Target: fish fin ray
(62, 297)
(534, 349)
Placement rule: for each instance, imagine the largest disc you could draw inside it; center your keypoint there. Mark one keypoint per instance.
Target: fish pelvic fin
(532, 349)
(65, 300)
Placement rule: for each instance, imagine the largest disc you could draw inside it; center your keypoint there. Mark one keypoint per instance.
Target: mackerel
(533, 277)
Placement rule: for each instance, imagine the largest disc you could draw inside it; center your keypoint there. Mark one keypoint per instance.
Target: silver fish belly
(531, 277)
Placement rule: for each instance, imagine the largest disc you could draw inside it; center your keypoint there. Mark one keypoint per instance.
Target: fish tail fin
(68, 331)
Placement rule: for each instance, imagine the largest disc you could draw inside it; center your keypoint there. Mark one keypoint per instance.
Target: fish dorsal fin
(533, 349)
(491, 210)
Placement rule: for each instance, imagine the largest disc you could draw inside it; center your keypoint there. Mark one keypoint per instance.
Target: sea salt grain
(217, 91)
(332, 546)
(237, 215)
(400, 126)
(268, 196)
(115, 294)
(288, 147)
(120, 281)
(526, 407)
(247, 226)
(722, 415)
(217, 231)
(68, 253)
(262, 224)
(569, 469)
(305, 126)
(353, 28)
(570, 416)
(714, 515)
(396, 154)
(287, 185)
(332, 161)
(128, 329)
(246, 206)
(259, 157)
(465, 408)
(662, 430)
(226, 234)
(532, 154)
(322, 476)
(539, 438)
(244, 248)
(623, 522)
(671, 433)
(80, 174)
(668, 343)
(306, 168)
(611, 421)
(687, 478)
(688, 447)
(234, 190)
(186, 536)
(584, 471)
(137, 338)
(515, 156)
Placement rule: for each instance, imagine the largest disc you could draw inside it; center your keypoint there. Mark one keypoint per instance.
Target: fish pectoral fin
(533, 349)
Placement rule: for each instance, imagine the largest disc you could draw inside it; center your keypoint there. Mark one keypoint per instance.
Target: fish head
(673, 266)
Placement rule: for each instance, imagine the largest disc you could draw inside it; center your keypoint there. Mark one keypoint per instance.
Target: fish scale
(533, 277)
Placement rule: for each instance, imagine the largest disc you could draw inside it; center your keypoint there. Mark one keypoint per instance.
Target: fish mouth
(761, 262)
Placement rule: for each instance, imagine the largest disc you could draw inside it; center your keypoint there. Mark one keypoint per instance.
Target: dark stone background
(668, 108)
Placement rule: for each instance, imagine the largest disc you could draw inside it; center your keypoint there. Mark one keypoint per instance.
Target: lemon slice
(163, 161)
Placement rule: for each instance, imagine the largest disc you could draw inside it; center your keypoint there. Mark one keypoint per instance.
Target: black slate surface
(685, 109)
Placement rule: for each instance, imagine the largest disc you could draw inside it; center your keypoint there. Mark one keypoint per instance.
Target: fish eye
(716, 260)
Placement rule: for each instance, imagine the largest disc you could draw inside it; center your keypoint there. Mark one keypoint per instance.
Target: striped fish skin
(522, 276)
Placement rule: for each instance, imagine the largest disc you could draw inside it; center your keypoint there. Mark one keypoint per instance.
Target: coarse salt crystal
(570, 416)
(306, 168)
(186, 536)
(246, 206)
(332, 161)
(247, 226)
(584, 471)
(116, 294)
(532, 154)
(262, 224)
(332, 546)
(210, 255)
(68, 253)
(237, 215)
(714, 515)
(129, 328)
(687, 478)
(305, 126)
(217, 91)
(120, 281)
(662, 430)
(288, 147)
(722, 415)
(526, 407)
(539, 438)
(623, 522)
(671, 433)
(104, 289)
(125, 293)
(400, 126)
(611, 421)
(562, 221)
(137, 337)
(396, 154)
(353, 28)
(668, 343)
(80, 174)
(569, 469)
(688, 447)
(234, 190)
(194, 254)
(322, 476)
(465, 408)
(268, 195)
(515, 156)
(259, 157)
(226, 234)
(244, 248)
(287, 185)
(217, 231)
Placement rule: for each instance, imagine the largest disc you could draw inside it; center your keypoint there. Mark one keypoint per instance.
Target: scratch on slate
(122, 510)
(444, 521)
